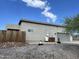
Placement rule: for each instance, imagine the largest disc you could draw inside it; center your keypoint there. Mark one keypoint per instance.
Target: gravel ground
(52, 51)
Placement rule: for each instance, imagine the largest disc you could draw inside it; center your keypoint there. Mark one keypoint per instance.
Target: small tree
(72, 24)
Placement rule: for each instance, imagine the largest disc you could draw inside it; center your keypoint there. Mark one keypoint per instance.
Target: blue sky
(50, 11)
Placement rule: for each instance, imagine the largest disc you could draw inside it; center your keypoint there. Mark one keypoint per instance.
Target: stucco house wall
(12, 26)
(39, 31)
(36, 32)
(64, 37)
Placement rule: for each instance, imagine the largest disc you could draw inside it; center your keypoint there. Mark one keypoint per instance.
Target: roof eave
(39, 23)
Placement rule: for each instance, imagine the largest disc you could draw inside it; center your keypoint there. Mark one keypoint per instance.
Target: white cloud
(49, 15)
(42, 4)
(35, 3)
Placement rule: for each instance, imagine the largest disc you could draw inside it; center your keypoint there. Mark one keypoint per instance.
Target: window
(30, 30)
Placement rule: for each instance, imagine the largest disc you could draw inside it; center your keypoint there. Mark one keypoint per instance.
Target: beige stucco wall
(39, 31)
(64, 37)
(12, 26)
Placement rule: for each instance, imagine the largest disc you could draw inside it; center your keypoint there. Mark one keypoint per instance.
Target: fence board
(20, 37)
(12, 36)
(1, 36)
(15, 36)
(4, 36)
(8, 35)
(23, 36)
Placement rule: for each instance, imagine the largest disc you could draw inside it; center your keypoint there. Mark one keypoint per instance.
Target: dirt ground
(33, 51)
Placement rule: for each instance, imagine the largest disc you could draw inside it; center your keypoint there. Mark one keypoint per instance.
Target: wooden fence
(12, 36)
